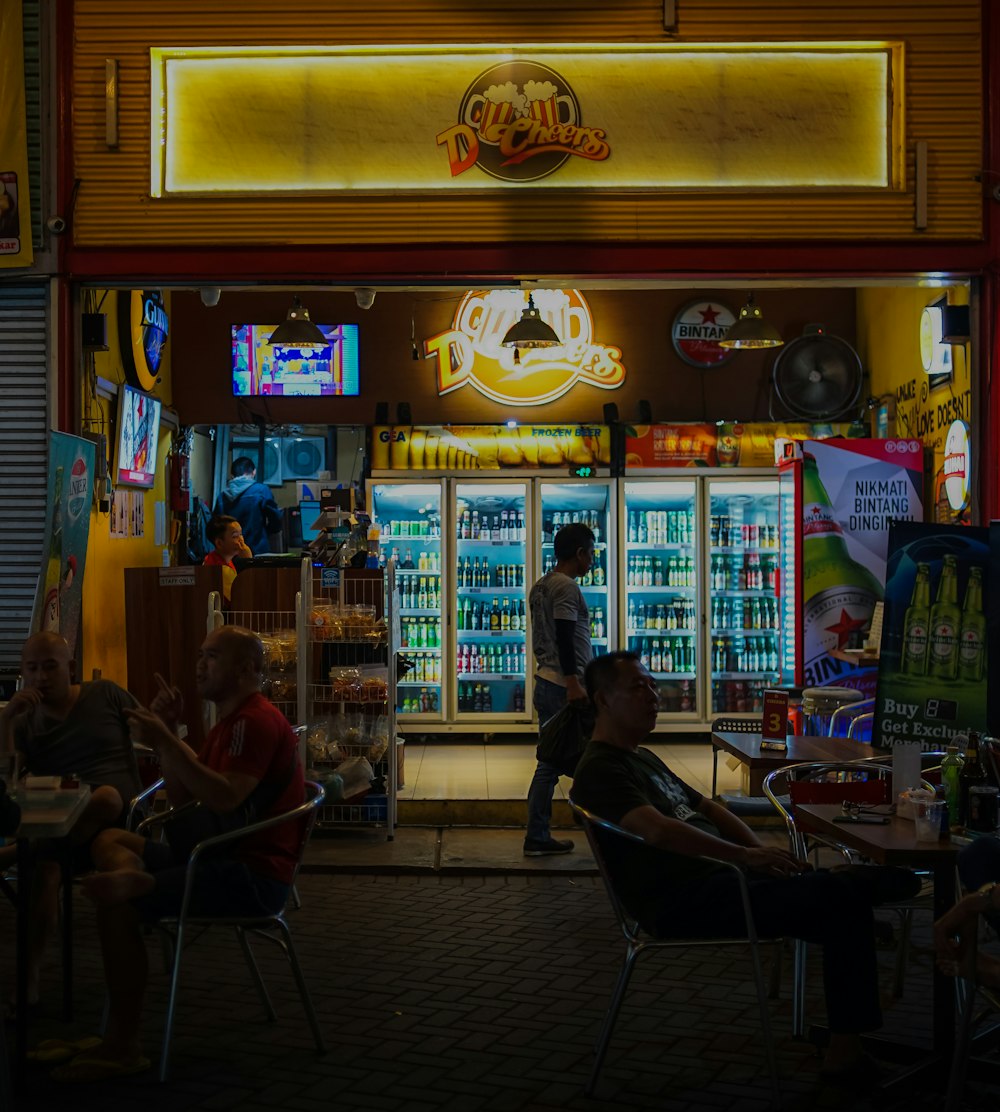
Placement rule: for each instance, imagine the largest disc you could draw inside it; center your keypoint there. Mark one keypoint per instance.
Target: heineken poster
(60, 582)
(851, 491)
(932, 679)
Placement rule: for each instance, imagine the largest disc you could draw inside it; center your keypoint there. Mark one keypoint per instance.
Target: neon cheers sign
(471, 352)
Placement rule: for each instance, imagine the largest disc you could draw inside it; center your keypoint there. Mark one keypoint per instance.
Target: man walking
(251, 504)
(560, 641)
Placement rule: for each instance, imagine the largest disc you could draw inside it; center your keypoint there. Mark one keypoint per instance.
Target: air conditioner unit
(272, 473)
(303, 457)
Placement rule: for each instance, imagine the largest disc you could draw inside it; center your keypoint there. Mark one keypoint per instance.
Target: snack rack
(348, 637)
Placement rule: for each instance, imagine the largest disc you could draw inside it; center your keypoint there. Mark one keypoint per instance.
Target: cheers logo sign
(471, 351)
(519, 122)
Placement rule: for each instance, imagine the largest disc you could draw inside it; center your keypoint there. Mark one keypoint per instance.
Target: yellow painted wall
(888, 338)
(107, 556)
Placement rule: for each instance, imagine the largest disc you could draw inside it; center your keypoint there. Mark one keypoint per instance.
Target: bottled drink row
(661, 527)
(736, 697)
(496, 618)
(426, 669)
(940, 640)
(473, 572)
(479, 698)
(491, 659)
(751, 613)
(426, 702)
(420, 633)
(429, 526)
(427, 561)
(724, 532)
(508, 525)
(551, 524)
(679, 614)
(651, 571)
(745, 654)
(595, 576)
(666, 655)
(744, 573)
(419, 593)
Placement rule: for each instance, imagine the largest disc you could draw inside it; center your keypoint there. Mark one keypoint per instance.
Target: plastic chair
(635, 944)
(271, 927)
(867, 782)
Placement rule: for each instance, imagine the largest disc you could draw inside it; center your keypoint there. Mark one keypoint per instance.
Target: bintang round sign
(956, 466)
(697, 330)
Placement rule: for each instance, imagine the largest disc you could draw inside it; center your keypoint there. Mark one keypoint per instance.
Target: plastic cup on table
(927, 819)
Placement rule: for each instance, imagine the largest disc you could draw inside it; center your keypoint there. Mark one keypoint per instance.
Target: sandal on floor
(85, 1068)
(54, 1051)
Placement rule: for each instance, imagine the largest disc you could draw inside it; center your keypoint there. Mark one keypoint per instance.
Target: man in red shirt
(252, 749)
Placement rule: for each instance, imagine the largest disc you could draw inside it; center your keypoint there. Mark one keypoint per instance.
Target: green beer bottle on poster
(916, 625)
(946, 620)
(839, 594)
(972, 639)
(53, 569)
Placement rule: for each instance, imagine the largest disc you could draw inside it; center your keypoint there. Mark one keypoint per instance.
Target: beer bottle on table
(916, 625)
(972, 639)
(834, 582)
(973, 774)
(946, 618)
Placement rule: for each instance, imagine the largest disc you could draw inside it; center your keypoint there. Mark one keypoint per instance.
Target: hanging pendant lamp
(751, 330)
(529, 332)
(297, 330)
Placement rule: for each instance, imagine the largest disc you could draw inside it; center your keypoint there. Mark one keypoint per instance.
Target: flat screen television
(138, 433)
(310, 512)
(276, 371)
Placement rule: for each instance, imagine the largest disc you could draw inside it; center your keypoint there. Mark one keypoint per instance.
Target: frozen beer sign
(774, 726)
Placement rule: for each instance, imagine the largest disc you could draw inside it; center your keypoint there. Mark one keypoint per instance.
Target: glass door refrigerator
(492, 521)
(659, 586)
(589, 502)
(742, 600)
(408, 515)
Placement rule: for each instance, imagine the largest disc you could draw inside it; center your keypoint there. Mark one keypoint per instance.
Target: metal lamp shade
(751, 330)
(297, 330)
(530, 331)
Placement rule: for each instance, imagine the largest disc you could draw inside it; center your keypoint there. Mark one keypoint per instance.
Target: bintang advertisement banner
(932, 680)
(727, 444)
(60, 583)
(15, 213)
(489, 447)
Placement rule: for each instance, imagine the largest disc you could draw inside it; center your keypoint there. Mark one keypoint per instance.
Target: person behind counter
(253, 504)
(226, 534)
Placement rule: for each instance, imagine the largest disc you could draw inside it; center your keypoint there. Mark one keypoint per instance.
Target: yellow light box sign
(802, 116)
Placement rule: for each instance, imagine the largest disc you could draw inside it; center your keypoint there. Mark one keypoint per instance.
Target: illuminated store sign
(957, 452)
(935, 354)
(142, 332)
(471, 353)
(320, 119)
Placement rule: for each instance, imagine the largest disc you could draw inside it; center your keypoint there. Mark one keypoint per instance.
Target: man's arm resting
(680, 837)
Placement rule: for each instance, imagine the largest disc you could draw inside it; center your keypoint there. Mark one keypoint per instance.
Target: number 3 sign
(774, 728)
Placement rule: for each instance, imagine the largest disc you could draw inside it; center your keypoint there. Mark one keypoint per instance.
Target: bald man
(62, 728)
(251, 751)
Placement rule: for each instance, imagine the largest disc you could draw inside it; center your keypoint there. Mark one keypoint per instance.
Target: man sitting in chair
(62, 728)
(251, 749)
(672, 891)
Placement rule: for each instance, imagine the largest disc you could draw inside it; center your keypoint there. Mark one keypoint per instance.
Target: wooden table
(757, 763)
(49, 814)
(896, 843)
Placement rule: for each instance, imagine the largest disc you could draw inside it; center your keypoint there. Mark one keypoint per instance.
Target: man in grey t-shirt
(62, 728)
(560, 641)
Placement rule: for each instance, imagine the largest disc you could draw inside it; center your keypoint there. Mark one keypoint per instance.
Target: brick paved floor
(461, 994)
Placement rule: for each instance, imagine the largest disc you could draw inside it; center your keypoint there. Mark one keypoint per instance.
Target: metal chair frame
(635, 945)
(175, 930)
(856, 713)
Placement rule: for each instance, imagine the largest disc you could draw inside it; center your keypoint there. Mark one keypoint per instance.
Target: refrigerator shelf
(593, 587)
(739, 549)
(754, 631)
(599, 546)
(419, 612)
(744, 675)
(662, 633)
(418, 571)
(502, 591)
(634, 589)
(658, 546)
(477, 676)
(418, 683)
(742, 592)
(468, 542)
(493, 632)
(386, 539)
(673, 675)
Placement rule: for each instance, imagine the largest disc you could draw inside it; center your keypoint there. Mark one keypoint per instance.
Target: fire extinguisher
(180, 483)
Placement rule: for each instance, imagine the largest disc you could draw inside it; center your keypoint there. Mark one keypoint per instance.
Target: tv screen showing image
(310, 512)
(138, 433)
(260, 368)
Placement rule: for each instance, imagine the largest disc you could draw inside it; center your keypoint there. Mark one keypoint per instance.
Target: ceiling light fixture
(297, 330)
(529, 332)
(751, 330)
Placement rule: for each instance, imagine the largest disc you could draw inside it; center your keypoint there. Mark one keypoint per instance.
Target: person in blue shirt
(252, 504)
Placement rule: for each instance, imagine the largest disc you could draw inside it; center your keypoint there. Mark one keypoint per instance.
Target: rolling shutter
(24, 425)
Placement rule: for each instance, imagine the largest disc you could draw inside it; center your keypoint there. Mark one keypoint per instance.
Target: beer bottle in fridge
(916, 625)
(946, 618)
(972, 639)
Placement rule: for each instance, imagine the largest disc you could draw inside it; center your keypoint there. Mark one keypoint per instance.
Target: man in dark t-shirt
(667, 884)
